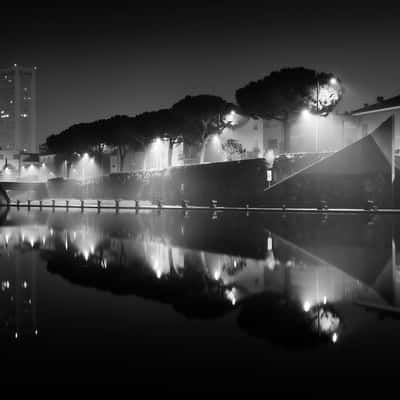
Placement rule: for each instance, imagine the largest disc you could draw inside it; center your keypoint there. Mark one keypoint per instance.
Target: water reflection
(288, 279)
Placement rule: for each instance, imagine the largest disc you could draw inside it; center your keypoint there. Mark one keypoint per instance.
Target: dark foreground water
(200, 300)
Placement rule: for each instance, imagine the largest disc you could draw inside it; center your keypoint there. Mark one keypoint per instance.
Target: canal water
(199, 300)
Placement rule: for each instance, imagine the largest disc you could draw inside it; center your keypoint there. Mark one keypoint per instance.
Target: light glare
(333, 81)
(306, 306)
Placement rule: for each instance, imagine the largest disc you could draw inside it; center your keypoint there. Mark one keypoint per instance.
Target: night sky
(98, 62)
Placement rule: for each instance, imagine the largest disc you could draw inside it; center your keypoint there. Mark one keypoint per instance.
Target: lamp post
(332, 81)
(317, 120)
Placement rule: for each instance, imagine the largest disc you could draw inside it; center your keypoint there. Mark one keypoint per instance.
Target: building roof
(382, 105)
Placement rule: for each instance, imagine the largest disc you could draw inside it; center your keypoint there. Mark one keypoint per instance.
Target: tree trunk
(122, 154)
(172, 269)
(286, 135)
(170, 151)
(203, 149)
(204, 140)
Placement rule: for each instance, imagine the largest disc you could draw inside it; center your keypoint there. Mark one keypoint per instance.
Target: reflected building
(282, 269)
(296, 271)
(18, 297)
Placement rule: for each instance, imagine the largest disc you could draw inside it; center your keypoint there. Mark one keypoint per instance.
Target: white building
(371, 116)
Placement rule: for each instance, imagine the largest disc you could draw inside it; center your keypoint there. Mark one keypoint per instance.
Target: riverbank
(131, 205)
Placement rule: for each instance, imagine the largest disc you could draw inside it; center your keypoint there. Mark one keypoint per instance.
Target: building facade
(18, 109)
(310, 133)
(371, 116)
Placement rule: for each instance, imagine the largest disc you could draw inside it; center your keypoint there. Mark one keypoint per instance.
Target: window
(272, 143)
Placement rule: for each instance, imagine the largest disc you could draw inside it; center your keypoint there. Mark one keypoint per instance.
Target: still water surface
(164, 297)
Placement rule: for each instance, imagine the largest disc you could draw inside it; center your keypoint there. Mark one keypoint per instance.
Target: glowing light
(156, 267)
(270, 157)
(306, 306)
(217, 275)
(25, 285)
(86, 255)
(325, 299)
(324, 96)
(269, 243)
(333, 81)
(16, 335)
(215, 139)
(157, 141)
(230, 117)
(335, 337)
(85, 156)
(305, 113)
(36, 332)
(270, 261)
(230, 294)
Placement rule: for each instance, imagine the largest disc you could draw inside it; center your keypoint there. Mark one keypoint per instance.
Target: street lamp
(332, 81)
(317, 120)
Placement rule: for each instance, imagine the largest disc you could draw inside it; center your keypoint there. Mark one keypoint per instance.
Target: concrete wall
(230, 183)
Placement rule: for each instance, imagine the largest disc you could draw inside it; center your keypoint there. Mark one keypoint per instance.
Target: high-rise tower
(18, 109)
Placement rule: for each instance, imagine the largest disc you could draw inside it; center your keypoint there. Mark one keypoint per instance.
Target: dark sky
(98, 62)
